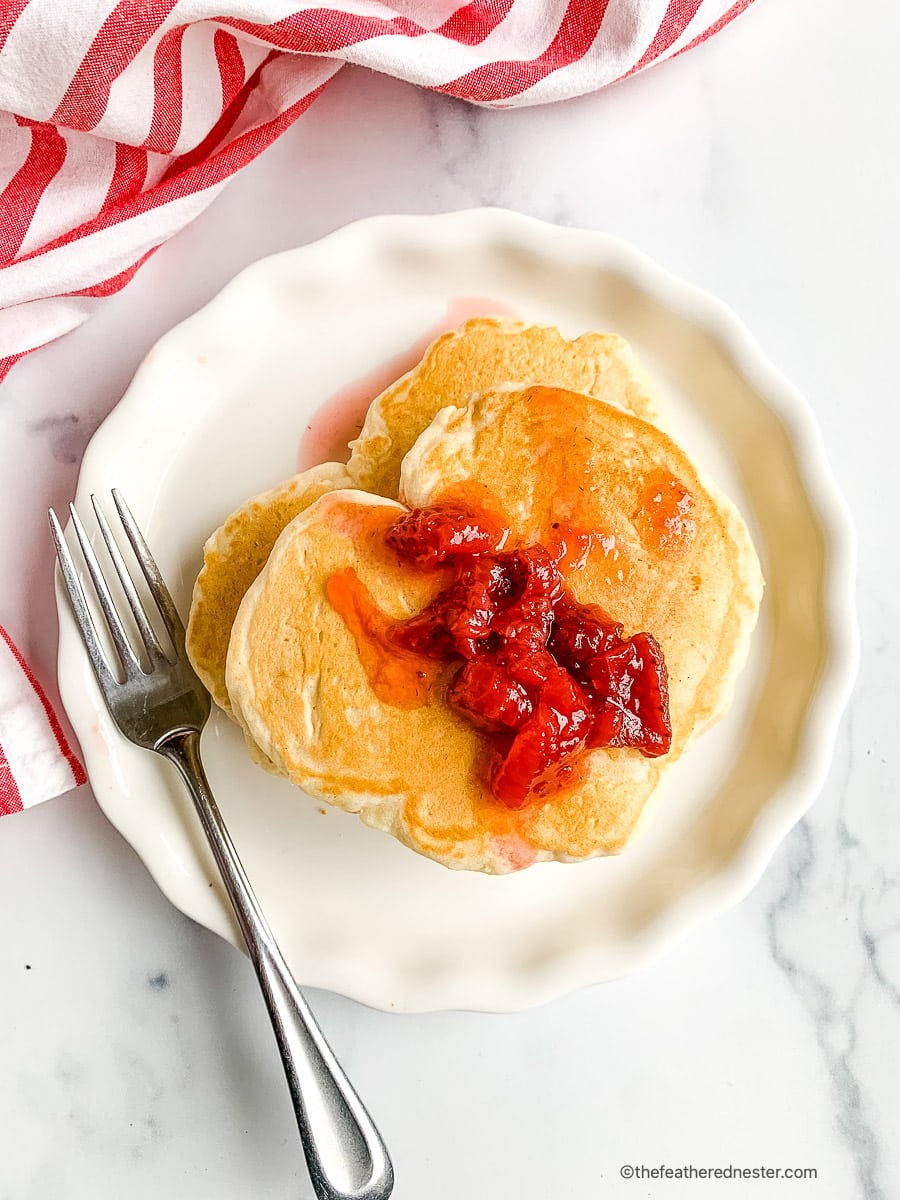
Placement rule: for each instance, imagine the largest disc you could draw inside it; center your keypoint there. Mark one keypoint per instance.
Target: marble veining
(66, 435)
(136, 1058)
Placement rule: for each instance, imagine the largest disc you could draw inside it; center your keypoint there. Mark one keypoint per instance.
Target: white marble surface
(135, 1057)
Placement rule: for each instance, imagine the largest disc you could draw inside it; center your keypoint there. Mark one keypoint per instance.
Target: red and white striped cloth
(120, 121)
(36, 761)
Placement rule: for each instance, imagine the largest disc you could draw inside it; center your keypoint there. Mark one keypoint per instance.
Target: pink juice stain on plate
(340, 419)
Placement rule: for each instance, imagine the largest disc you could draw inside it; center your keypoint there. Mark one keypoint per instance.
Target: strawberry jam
(545, 679)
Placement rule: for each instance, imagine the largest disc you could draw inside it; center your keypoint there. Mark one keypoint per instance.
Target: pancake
(665, 551)
(669, 556)
(232, 558)
(483, 354)
(299, 687)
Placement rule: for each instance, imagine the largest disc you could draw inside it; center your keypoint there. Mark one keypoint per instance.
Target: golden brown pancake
(233, 557)
(668, 553)
(663, 554)
(483, 354)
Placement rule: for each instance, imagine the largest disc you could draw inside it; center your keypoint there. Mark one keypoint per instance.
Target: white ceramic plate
(216, 413)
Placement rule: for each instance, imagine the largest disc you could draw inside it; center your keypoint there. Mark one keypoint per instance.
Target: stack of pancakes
(557, 433)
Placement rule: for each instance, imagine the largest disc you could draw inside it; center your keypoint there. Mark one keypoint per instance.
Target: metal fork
(164, 709)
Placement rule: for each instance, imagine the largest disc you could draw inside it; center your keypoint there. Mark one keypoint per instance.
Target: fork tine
(79, 606)
(113, 620)
(151, 641)
(155, 582)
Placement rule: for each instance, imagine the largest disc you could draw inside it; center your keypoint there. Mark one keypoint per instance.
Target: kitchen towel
(121, 120)
(36, 761)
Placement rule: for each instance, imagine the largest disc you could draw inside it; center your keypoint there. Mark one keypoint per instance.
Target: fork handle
(345, 1154)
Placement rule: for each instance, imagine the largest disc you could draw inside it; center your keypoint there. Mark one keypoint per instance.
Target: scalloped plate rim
(785, 807)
